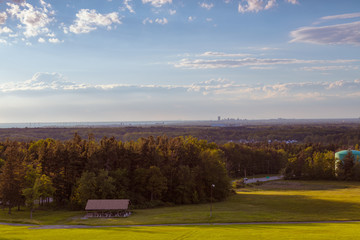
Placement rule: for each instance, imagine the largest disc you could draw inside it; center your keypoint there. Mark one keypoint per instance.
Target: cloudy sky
(138, 60)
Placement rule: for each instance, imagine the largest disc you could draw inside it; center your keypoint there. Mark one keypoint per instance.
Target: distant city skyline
(161, 60)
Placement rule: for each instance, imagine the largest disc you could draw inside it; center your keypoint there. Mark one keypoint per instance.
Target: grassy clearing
(39, 217)
(249, 232)
(272, 201)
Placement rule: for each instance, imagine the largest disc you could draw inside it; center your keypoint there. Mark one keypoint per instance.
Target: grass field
(248, 232)
(272, 201)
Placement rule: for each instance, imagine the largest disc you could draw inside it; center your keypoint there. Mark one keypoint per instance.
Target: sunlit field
(249, 232)
(274, 201)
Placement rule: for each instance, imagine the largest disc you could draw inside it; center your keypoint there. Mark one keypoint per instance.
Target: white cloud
(330, 68)
(128, 6)
(172, 12)
(259, 5)
(44, 81)
(291, 91)
(157, 3)
(249, 61)
(251, 6)
(34, 20)
(191, 18)
(54, 40)
(47, 7)
(78, 102)
(40, 81)
(207, 6)
(221, 54)
(261, 68)
(5, 30)
(162, 21)
(342, 84)
(89, 20)
(342, 16)
(147, 20)
(347, 33)
(267, 48)
(41, 40)
(270, 4)
(3, 41)
(292, 1)
(214, 88)
(211, 86)
(3, 17)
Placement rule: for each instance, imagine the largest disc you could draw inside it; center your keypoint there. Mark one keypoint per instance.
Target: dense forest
(153, 171)
(149, 171)
(344, 134)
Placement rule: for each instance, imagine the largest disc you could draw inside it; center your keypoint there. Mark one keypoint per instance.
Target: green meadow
(248, 232)
(275, 201)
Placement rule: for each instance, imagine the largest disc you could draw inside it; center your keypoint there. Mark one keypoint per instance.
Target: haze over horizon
(159, 60)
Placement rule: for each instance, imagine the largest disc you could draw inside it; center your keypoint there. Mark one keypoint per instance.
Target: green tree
(31, 195)
(12, 176)
(92, 186)
(86, 189)
(105, 185)
(214, 172)
(345, 168)
(156, 183)
(32, 185)
(46, 188)
(185, 185)
(121, 182)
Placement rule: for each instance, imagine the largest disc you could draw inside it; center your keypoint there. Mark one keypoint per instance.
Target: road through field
(170, 225)
(263, 179)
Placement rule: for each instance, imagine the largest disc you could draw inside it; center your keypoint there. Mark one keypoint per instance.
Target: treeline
(317, 162)
(149, 171)
(153, 170)
(340, 134)
(250, 159)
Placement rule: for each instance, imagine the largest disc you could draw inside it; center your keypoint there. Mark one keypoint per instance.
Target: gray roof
(107, 204)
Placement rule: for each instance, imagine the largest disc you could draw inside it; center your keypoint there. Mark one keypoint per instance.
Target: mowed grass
(249, 232)
(273, 201)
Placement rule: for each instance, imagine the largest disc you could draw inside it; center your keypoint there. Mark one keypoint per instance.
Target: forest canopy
(149, 171)
(153, 171)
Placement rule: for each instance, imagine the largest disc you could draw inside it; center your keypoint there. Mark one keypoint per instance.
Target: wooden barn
(107, 208)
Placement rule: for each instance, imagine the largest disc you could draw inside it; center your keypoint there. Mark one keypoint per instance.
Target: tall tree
(32, 185)
(12, 176)
(156, 183)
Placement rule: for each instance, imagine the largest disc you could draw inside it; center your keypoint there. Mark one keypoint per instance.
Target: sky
(160, 60)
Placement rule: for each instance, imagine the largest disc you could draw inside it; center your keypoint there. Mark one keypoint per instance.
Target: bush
(238, 183)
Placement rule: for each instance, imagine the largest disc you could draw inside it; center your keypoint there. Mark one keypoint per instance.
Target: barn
(107, 208)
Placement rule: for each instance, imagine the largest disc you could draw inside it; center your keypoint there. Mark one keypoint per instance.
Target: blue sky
(138, 60)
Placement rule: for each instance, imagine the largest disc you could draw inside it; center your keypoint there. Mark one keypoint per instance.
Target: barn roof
(107, 204)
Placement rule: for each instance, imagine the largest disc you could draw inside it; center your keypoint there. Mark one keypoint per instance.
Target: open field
(248, 232)
(273, 201)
